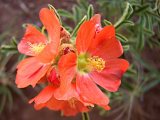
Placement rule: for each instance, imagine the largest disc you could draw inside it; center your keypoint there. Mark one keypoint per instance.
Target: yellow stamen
(96, 63)
(36, 47)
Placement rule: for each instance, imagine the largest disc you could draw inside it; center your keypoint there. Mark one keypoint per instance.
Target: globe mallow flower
(42, 48)
(69, 107)
(95, 62)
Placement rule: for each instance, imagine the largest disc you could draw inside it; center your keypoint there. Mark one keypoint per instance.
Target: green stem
(85, 116)
(123, 17)
(77, 27)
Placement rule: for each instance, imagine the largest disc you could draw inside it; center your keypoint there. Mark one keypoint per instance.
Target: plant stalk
(85, 116)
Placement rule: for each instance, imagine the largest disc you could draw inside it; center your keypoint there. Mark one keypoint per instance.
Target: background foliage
(137, 24)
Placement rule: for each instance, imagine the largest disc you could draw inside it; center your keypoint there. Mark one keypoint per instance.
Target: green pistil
(87, 63)
(82, 63)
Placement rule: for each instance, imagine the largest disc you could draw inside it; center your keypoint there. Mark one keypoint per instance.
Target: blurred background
(137, 25)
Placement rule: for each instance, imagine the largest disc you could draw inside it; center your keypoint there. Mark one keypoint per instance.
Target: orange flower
(71, 103)
(69, 107)
(95, 62)
(44, 49)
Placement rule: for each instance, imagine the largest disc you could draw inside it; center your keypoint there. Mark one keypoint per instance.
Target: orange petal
(117, 64)
(106, 107)
(85, 36)
(44, 96)
(72, 110)
(51, 23)
(48, 54)
(54, 104)
(110, 77)
(89, 91)
(67, 71)
(30, 71)
(39, 106)
(81, 107)
(96, 19)
(32, 36)
(106, 45)
(68, 94)
(46, 99)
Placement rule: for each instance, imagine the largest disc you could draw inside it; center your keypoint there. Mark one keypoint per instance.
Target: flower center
(96, 63)
(36, 47)
(87, 64)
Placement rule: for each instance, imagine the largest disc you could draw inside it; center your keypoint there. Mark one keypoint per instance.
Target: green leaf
(126, 47)
(126, 14)
(6, 97)
(2, 104)
(128, 22)
(153, 14)
(77, 13)
(143, 21)
(69, 29)
(148, 32)
(149, 24)
(65, 13)
(128, 86)
(90, 11)
(106, 22)
(141, 40)
(151, 85)
(130, 11)
(121, 38)
(9, 98)
(8, 48)
(14, 42)
(142, 8)
(78, 25)
(83, 4)
(21, 57)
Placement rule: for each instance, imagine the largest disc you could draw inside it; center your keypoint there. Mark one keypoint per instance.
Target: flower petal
(54, 104)
(106, 107)
(85, 36)
(52, 24)
(39, 106)
(106, 45)
(48, 54)
(71, 109)
(30, 71)
(89, 91)
(32, 36)
(96, 19)
(67, 71)
(110, 77)
(44, 96)
(71, 92)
